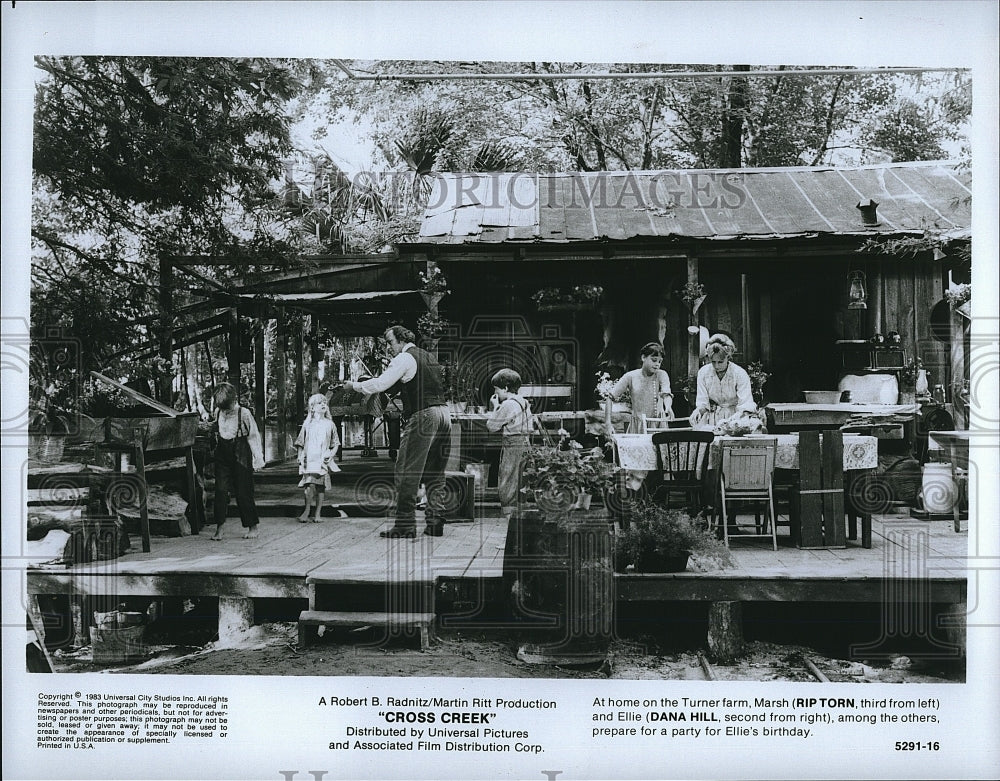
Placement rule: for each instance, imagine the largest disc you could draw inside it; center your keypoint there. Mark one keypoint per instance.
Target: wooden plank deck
(287, 553)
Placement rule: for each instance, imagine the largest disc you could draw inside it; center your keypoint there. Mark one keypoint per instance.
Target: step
(423, 622)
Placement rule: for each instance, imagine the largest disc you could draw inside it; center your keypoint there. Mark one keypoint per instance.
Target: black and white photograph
(422, 401)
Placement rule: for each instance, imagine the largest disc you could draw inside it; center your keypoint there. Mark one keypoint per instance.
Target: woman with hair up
(723, 387)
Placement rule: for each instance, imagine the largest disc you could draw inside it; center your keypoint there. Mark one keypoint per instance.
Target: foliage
(562, 472)
(590, 124)
(432, 326)
(958, 295)
(605, 388)
(691, 292)
(688, 387)
(433, 281)
(758, 379)
(908, 374)
(579, 294)
(669, 532)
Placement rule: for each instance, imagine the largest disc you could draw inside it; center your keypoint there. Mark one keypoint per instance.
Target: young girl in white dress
(317, 444)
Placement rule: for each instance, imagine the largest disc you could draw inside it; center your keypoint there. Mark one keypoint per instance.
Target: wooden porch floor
(279, 561)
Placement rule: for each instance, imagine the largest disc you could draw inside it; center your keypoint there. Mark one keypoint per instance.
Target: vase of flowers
(433, 287)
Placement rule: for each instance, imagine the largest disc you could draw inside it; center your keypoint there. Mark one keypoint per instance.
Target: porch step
(394, 623)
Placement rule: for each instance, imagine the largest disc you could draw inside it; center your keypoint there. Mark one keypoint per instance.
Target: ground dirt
(272, 649)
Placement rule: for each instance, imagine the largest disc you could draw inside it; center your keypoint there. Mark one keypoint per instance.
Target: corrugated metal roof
(478, 208)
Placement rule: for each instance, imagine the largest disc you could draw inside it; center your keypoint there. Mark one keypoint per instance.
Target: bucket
(118, 637)
(938, 488)
(560, 581)
(481, 474)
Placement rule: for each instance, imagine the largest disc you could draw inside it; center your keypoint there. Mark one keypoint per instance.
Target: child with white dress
(317, 444)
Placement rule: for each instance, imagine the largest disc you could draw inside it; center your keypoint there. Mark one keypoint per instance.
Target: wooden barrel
(559, 579)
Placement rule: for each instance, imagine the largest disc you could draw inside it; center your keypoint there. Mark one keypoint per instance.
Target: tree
(136, 157)
(592, 124)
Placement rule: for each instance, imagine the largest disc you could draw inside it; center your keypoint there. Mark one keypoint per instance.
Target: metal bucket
(560, 580)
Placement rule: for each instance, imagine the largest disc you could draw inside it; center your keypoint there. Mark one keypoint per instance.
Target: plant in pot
(659, 539)
(557, 476)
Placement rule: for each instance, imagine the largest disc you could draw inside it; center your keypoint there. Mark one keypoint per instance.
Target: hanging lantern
(857, 294)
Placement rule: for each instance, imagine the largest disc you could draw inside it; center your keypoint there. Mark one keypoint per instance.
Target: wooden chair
(682, 463)
(746, 474)
(650, 425)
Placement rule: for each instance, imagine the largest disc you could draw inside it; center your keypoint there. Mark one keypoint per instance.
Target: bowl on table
(822, 396)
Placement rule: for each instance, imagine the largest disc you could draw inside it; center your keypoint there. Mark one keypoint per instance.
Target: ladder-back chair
(746, 474)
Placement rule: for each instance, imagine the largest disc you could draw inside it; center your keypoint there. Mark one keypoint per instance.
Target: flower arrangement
(433, 281)
(605, 388)
(667, 533)
(580, 294)
(908, 374)
(958, 295)
(758, 379)
(431, 326)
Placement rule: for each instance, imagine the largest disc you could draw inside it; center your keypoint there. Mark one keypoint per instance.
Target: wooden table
(802, 415)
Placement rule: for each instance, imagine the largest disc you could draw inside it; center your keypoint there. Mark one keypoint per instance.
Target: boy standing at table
(513, 419)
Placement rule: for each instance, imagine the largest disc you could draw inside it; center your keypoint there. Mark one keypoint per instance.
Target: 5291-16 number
(913, 745)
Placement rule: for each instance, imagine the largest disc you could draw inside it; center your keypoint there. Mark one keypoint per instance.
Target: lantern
(856, 293)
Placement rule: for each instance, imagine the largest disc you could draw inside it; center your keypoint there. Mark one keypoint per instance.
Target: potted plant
(431, 326)
(693, 295)
(578, 297)
(659, 539)
(960, 298)
(557, 476)
(758, 379)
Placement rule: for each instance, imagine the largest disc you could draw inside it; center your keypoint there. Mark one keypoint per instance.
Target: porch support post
(725, 631)
(300, 402)
(280, 378)
(694, 353)
(165, 337)
(259, 380)
(235, 617)
(233, 373)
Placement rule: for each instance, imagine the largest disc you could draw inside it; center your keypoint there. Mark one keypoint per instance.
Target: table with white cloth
(636, 454)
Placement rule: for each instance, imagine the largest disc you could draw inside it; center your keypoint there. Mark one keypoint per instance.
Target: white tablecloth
(635, 452)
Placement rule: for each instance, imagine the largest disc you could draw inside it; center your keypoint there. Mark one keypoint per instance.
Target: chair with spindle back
(682, 463)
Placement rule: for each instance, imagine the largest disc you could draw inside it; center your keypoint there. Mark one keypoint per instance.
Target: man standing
(426, 441)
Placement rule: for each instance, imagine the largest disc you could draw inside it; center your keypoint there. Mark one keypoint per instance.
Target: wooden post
(725, 631)
(313, 354)
(694, 351)
(259, 389)
(166, 344)
(300, 402)
(233, 372)
(235, 617)
(954, 624)
(140, 470)
(280, 374)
